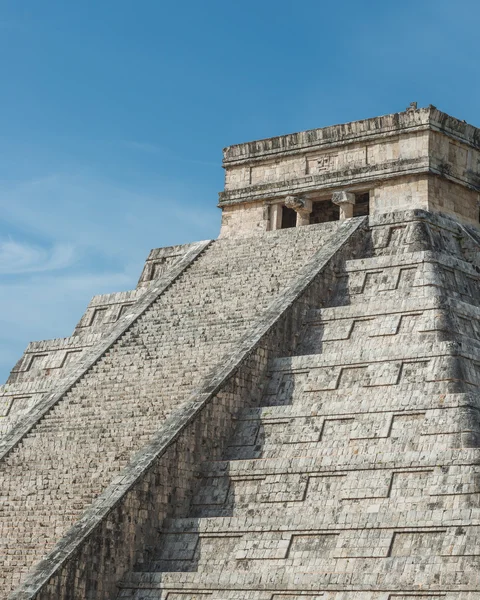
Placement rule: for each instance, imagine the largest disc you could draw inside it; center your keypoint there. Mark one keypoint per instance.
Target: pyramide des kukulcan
(288, 412)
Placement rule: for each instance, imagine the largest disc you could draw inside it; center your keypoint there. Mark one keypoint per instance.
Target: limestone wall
(244, 219)
(455, 200)
(400, 194)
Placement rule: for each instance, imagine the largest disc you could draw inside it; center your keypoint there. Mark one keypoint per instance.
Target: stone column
(302, 207)
(345, 200)
(275, 216)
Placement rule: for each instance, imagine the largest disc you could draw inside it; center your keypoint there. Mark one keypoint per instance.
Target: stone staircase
(358, 476)
(47, 364)
(82, 442)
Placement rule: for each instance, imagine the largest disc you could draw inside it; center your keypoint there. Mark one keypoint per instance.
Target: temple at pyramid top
(420, 158)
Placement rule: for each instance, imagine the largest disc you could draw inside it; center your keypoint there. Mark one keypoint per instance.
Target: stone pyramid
(289, 412)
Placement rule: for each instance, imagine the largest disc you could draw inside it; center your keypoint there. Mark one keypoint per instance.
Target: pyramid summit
(288, 412)
(409, 160)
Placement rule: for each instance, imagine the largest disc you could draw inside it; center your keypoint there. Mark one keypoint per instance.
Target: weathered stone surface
(45, 364)
(56, 364)
(114, 409)
(357, 476)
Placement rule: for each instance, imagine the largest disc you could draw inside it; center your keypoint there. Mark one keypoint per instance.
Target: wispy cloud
(17, 258)
(96, 214)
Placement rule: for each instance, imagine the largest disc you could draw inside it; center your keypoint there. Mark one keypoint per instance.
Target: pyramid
(289, 412)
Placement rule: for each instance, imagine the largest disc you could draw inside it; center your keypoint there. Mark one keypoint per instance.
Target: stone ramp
(358, 475)
(84, 438)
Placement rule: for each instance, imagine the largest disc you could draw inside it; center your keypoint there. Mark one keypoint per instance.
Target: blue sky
(114, 115)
